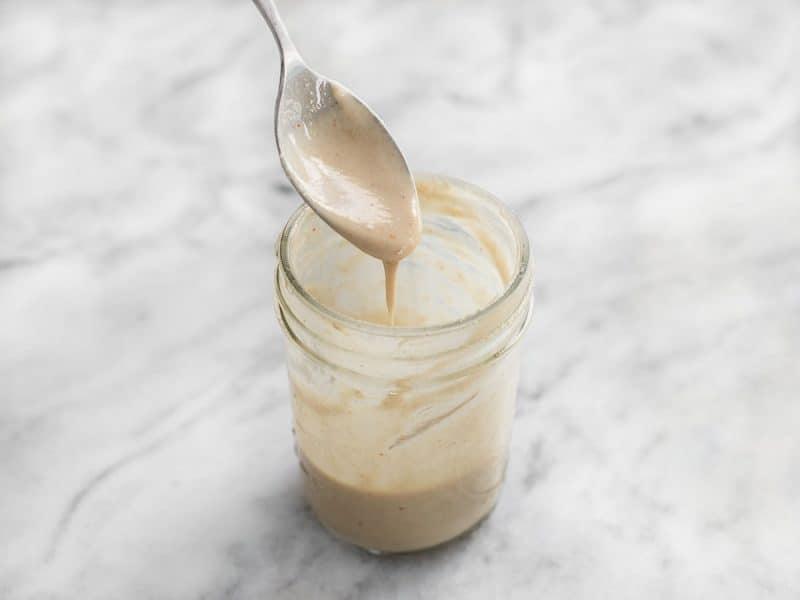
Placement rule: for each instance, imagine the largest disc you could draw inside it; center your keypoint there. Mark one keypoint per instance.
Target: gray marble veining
(652, 150)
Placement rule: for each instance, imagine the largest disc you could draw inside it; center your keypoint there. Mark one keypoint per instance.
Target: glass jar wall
(402, 432)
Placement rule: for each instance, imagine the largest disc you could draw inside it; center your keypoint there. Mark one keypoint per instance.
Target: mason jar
(402, 432)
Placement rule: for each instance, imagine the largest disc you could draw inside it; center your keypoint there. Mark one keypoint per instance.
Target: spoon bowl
(340, 157)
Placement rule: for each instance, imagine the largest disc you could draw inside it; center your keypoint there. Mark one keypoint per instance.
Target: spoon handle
(269, 11)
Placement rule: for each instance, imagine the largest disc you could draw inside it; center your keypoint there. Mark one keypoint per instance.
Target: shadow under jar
(403, 432)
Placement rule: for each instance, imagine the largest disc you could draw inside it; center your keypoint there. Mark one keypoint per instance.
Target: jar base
(402, 521)
(432, 548)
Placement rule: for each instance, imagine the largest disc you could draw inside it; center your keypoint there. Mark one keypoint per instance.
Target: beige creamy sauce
(357, 180)
(412, 471)
(407, 467)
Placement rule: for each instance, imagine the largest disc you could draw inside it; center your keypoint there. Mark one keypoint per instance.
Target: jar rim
(524, 264)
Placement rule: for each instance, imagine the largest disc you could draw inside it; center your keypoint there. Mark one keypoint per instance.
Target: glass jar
(402, 432)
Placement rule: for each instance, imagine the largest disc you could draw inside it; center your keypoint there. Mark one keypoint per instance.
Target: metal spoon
(339, 156)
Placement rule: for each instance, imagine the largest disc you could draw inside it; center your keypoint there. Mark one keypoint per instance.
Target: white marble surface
(652, 150)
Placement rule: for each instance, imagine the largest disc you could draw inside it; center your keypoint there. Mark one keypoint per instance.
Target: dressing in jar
(402, 431)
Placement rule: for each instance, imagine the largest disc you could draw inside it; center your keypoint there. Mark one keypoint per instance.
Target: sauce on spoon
(343, 160)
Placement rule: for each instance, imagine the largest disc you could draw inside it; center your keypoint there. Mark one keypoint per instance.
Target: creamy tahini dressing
(404, 464)
(345, 163)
